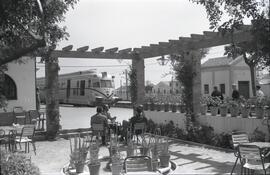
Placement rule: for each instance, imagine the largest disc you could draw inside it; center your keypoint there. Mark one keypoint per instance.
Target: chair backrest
(250, 152)
(18, 109)
(239, 138)
(97, 127)
(137, 163)
(2, 133)
(28, 131)
(12, 135)
(139, 126)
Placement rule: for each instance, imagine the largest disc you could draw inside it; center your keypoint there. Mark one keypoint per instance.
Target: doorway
(243, 87)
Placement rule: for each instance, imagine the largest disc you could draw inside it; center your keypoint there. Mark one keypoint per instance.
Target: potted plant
(158, 106)
(234, 108)
(117, 164)
(267, 107)
(173, 107)
(223, 108)
(78, 153)
(245, 107)
(155, 152)
(3, 103)
(164, 156)
(214, 103)
(145, 106)
(166, 106)
(94, 164)
(259, 107)
(203, 105)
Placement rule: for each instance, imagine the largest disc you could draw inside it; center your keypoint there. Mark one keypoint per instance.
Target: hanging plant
(133, 84)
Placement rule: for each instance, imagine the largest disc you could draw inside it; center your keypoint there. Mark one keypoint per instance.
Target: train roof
(81, 73)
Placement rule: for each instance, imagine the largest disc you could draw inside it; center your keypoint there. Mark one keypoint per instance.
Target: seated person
(98, 118)
(106, 113)
(138, 118)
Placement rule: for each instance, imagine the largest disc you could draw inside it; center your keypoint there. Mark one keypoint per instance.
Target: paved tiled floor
(190, 159)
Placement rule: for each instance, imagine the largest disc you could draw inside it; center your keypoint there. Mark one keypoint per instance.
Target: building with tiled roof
(223, 72)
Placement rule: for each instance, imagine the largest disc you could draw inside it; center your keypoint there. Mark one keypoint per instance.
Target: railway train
(83, 88)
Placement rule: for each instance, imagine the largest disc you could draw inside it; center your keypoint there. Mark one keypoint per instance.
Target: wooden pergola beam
(97, 55)
(112, 50)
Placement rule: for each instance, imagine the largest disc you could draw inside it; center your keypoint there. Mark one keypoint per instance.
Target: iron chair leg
(235, 165)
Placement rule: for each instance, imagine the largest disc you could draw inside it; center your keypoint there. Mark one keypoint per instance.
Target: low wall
(220, 124)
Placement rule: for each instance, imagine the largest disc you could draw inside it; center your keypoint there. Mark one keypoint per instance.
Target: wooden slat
(197, 36)
(98, 49)
(83, 49)
(67, 48)
(112, 50)
(125, 51)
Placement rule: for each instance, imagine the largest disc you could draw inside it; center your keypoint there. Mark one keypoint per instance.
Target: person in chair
(99, 118)
(139, 117)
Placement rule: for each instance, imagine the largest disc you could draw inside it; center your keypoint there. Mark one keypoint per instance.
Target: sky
(129, 24)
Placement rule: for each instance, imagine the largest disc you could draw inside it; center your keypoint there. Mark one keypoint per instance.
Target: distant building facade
(123, 92)
(223, 72)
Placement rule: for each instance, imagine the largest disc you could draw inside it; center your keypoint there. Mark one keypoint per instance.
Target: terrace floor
(52, 156)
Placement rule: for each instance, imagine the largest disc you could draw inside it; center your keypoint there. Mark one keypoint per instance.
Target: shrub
(16, 164)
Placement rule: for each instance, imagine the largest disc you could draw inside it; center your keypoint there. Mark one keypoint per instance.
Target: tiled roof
(220, 61)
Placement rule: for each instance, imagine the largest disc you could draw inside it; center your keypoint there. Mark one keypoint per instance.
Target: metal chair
(98, 130)
(19, 115)
(27, 136)
(238, 138)
(140, 164)
(251, 158)
(139, 130)
(12, 140)
(3, 139)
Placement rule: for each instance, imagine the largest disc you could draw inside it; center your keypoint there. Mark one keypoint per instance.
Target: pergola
(190, 46)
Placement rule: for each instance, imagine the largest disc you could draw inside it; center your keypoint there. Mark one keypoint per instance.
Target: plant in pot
(234, 108)
(267, 107)
(155, 151)
(203, 105)
(214, 103)
(164, 156)
(94, 164)
(245, 106)
(79, 149)
(259, 107)
(223, 108)
(117, 163)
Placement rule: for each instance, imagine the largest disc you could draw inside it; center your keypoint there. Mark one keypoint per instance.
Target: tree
(255, 51)
(28, 25)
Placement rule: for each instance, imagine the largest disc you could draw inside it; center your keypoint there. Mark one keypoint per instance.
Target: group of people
(103, 116)
(235, 93)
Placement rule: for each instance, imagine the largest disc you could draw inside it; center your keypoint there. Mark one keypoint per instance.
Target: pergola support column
(196, 59)
(52, 99)
(138, 66)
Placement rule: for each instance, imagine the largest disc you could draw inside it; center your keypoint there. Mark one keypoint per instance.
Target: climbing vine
(133, 84)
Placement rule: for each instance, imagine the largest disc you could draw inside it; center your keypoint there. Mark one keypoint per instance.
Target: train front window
(96, 84)
(106, 83)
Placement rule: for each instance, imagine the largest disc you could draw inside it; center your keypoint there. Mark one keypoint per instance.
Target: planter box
(234, 111)
(223, 111)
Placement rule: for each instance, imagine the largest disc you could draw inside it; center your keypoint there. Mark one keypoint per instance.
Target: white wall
(24, 78)
(206, 78)
(220, 124)
(222, 77)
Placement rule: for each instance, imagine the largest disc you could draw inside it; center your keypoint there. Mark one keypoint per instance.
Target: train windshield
(106, 83)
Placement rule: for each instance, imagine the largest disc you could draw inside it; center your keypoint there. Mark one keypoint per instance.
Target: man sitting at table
(98, 118)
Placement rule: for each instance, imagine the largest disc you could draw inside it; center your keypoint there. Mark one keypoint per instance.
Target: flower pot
(166, 107)
(203, 109)
(214, 110)
(173, 107)
(145, 106)
(158, 106)
(267, 112)
(164, 160)
(79, 167)
(182, 108)
(130, 151)
(155, 165)
(152, 106)
(116, 168)
(245, 112)
(94, 168)
(259, 112)
(144, 151)
(223, 111)
(234, 111)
